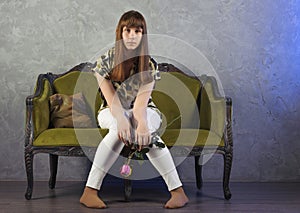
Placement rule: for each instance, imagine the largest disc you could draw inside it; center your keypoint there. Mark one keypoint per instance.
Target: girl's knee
(154, 120)
(106, 120)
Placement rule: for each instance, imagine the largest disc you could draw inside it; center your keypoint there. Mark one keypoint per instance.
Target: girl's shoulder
(108, 55)
(104, 63)
(111, 52)
(154, 69)
(153, 64)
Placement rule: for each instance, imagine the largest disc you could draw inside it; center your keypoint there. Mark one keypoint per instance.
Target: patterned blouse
(128, 89)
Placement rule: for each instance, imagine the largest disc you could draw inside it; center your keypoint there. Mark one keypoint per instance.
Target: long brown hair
(131, 19)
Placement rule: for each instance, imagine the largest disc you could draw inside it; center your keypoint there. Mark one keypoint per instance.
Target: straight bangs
(133, 22)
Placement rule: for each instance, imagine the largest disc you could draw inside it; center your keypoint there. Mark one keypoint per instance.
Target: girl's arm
(142, 134)
(116, 108)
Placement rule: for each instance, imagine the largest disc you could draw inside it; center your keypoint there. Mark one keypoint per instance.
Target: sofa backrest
(176, 96)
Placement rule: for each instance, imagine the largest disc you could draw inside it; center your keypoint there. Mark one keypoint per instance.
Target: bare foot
(90, 199)
(178, 199)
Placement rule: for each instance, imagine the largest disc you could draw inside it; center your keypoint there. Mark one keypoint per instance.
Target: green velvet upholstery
(191, 137)
(176, 97)
(92, 137)
(71, 137)
(41, 116)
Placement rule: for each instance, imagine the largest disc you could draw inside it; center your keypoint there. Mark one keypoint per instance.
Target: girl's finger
(144, 140)
(135, 137)
(128, 136)
(120, 136)
(140, 140)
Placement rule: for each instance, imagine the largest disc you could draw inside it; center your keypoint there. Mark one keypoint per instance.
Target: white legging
(110, 147)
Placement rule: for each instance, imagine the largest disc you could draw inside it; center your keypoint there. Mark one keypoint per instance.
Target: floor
(149, 196)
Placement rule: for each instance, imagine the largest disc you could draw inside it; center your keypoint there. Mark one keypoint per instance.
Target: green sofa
(196, 120)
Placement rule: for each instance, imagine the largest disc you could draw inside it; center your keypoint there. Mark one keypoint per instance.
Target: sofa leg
(127, 189)
(53, 160)
(198, 172)
(29, 172)
(226, 175)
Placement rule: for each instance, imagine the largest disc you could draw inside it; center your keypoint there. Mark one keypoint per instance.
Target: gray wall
(253, 45)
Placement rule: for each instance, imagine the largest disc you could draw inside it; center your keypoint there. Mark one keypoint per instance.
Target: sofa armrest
(228, 129)
(212, 106)
(218, 116)
(37, 109)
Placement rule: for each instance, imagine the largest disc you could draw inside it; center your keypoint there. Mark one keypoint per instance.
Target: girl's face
(132, 37)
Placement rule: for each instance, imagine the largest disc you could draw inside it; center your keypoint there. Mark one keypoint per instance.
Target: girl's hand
(142, 135)
(124, 129)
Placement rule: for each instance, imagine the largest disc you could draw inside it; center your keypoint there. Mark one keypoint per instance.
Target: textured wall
(253, 45)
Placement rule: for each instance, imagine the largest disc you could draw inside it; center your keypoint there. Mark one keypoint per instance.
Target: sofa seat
(92, 136)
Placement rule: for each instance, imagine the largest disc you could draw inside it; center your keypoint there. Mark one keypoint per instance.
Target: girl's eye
(128, 30)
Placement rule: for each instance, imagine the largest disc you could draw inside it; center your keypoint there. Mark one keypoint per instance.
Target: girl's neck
(130, 55)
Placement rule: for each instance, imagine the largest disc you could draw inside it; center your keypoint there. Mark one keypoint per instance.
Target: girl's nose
(131, 34)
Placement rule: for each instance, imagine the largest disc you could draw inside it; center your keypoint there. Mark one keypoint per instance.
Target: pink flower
(125, 170)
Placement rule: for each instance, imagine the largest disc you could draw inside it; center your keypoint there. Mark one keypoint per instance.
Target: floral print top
(128, 89)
